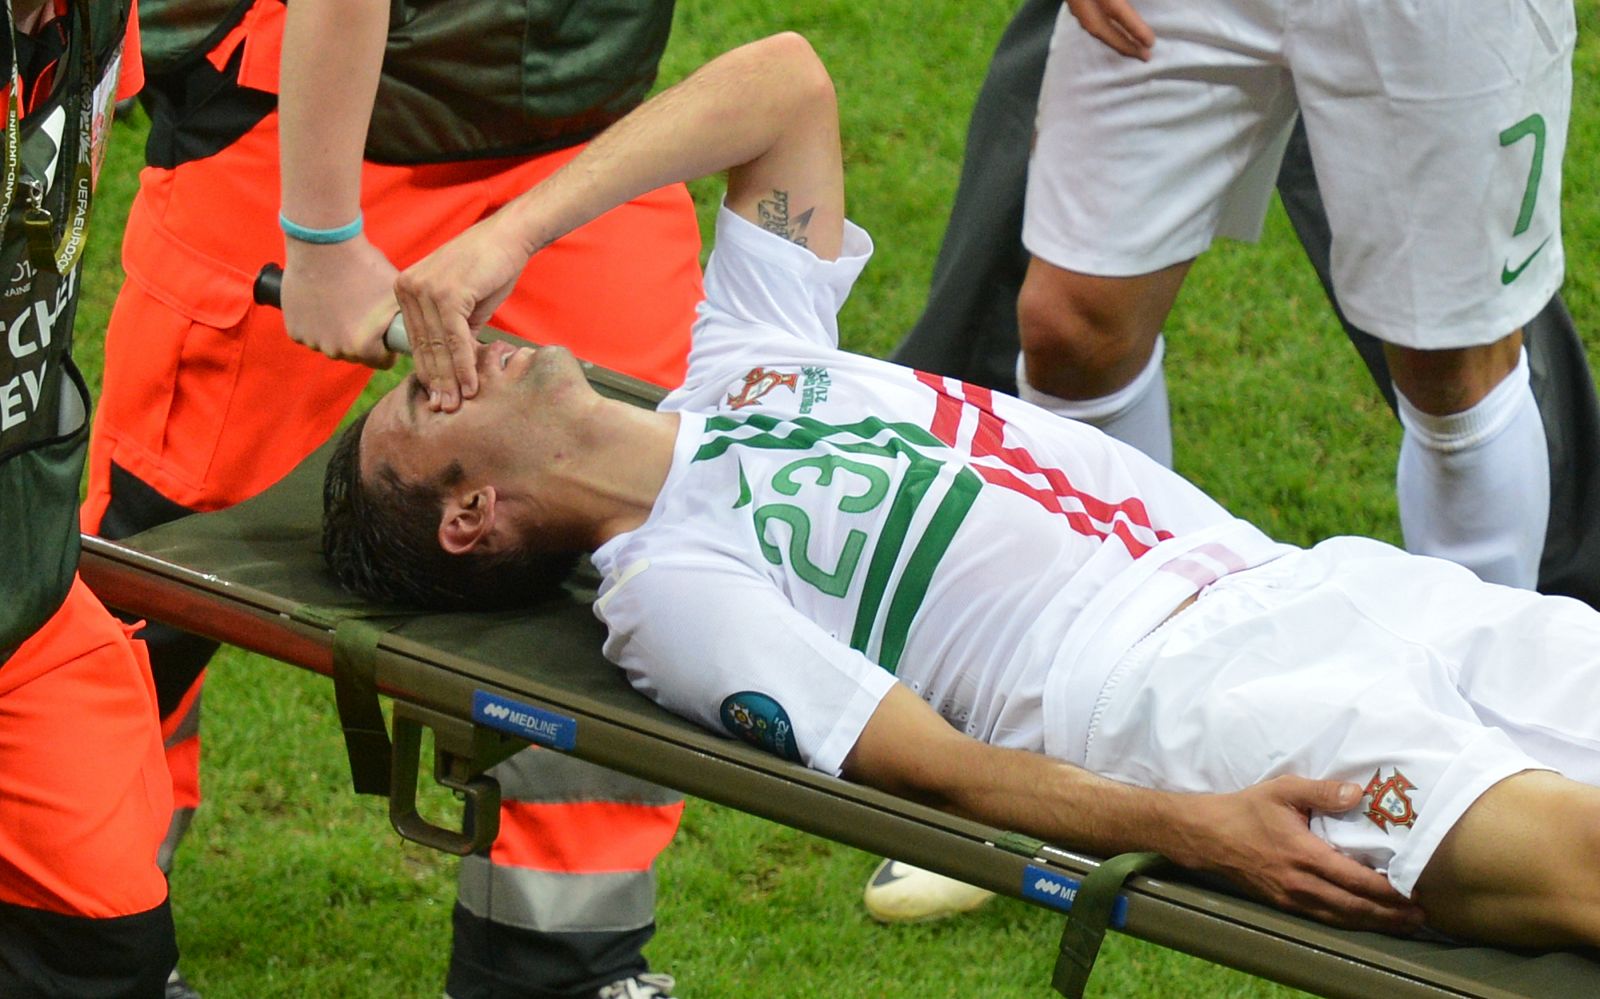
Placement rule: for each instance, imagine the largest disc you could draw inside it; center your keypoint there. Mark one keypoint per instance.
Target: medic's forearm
(332, 53)
(764, 112)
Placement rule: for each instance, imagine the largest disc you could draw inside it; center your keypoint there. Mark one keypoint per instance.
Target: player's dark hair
(381, 539)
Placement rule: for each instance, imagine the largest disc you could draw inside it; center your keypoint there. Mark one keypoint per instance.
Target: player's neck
(624, 464)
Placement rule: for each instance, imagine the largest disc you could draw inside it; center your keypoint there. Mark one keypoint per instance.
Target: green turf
(292, 886)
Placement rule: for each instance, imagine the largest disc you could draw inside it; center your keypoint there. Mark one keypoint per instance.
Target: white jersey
(832, 523)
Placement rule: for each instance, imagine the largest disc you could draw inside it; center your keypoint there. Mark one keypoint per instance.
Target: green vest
(476, 78)
(44, 404)
(468, 79)
(170, 30)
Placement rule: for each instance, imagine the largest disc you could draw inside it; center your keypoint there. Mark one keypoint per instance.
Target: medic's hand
(447, 297)
(1260, 839)
(1115, 23)
(338, 298)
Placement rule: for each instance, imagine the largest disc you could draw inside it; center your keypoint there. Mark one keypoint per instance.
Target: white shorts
(1437, 127)
(1355, 661)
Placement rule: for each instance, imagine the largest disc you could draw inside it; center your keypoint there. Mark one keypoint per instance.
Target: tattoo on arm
(774, 215)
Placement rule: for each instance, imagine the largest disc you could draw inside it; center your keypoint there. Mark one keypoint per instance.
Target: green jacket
(44, 404)
(467, 79)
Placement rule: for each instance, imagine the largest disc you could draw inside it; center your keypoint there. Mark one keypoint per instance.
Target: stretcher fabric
(252, 575)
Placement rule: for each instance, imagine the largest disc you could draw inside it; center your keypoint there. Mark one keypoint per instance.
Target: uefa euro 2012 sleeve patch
(761, 721)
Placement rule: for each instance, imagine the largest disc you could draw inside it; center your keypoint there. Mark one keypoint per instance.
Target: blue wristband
(306, 234)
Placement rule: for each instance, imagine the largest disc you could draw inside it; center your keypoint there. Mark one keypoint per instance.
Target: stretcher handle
(480, 793)
(268, 290)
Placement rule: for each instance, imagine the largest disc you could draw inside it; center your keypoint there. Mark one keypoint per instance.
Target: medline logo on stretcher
(534, 724)
(1059, 892)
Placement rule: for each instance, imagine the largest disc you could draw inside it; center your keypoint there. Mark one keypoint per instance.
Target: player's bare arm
(764, 112)
(778, 220)
(1258, 838)
(1115, 23)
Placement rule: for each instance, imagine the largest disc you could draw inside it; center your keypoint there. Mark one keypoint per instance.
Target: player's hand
(1115, 23)
(1260, 839)
(447, 297)
(338, 298)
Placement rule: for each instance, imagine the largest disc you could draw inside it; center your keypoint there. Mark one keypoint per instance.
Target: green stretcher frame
(489, 684)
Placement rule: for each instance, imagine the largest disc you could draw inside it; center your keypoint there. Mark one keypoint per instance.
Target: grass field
(291, 886)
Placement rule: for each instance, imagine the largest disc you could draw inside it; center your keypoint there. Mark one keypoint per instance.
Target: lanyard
(38, 223)
(13, 136)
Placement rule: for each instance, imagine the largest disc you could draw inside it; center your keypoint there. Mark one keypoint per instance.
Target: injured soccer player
(954, 596)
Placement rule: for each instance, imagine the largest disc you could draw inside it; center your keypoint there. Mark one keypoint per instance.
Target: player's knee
(1070, 333)
(1445, 382)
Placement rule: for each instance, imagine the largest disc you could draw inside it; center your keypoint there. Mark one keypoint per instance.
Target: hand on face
(446, 298)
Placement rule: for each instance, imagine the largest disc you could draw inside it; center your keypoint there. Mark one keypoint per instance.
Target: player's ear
(467, 520)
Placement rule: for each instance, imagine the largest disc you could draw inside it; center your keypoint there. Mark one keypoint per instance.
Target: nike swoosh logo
(1509, 274)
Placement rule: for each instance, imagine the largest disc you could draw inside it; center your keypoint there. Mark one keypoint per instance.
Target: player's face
(521, 390)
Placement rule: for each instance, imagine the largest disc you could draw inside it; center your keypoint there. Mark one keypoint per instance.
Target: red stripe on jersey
(989, 441)
(1076, 519)
(946, 413)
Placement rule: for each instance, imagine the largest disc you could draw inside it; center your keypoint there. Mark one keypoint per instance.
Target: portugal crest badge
(1389, 804)
(757, 383)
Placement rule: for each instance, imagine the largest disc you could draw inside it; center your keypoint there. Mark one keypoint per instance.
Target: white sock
(1134, 414)
(1474, 487)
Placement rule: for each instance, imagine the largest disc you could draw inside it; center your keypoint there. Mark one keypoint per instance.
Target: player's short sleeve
(718, 644)
(762, 292)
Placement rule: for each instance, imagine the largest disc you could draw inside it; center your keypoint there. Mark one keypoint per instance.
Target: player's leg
(1519, 867)
(1474, 471)
(1563, 387)
(1091, 350)
(1479, 107)
(83, 907)
(1355, 661)
(1137, 166)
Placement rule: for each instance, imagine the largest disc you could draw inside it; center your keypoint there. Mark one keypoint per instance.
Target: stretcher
(487, 685)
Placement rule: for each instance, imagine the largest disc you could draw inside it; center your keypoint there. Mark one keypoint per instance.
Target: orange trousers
(84, 792)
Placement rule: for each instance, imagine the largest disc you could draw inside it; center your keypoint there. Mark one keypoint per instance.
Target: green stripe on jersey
(875, 437)
(918, 478)
(804, 432)
(914, 582)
